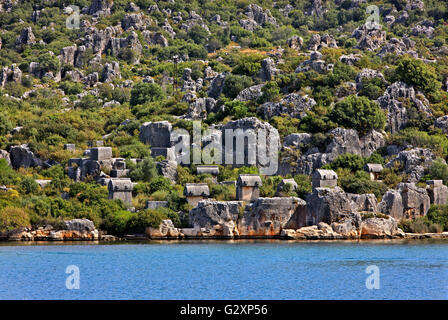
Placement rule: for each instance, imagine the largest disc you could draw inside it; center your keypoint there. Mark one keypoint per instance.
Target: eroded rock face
(5, 155)
(156, 134)
(399, 47)
(257, 17)
(368, 74)
(155, 38)
(414, 162)
(251, 93)
(392, 204)
(111, 71)
(26, 37)
(350, 59)
(392, 102)
(22, 156)
(295, 42)
(217, 85)
(364, 202)
(81, 225)
(374, 228)
(343, 141)
(314, 63)
(263, 139)
(76, 229)
(165, 230)
(442, 123)
(369, 38)
(12, 74)
(100, 7)
(168, 169)
(199, 108)
(218, 218)
(266, 217)
(416, 200)
(437, 191)
(328, 205)
(293, 105)
(349, 225)
(268, 69)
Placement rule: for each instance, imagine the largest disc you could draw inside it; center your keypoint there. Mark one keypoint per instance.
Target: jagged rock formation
(293, 105)
(392, 101)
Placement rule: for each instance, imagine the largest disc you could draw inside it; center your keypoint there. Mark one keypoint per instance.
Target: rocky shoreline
(84, 230)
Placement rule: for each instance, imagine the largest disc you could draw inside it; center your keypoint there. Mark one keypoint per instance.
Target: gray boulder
(251, 93)
(295, 42)
(292, 105)
(155, 38)
(218, 218)
(369, 38)
(266, 217)
(168, 169)
(437, 191)
(416, 200)
(100, 7)
(392, 204)
(414, 162)
(26, 37)
(328, 205)
(379, 228)
(368, 74)
(398, 47)
(442, 123)
(268, 69)
(392, 102)
(217, 85)
(22, 156)
(364, 202)
(111, 71)
(81, 225)
(260, 16)
(156, 134)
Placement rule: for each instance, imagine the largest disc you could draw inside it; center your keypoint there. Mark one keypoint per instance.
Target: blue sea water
(226, 270)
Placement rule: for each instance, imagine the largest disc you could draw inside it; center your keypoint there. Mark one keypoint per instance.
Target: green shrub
(13, 218)
(418, 74)
(234, 84)
(438, 214)
(358, 113)
(146, 92)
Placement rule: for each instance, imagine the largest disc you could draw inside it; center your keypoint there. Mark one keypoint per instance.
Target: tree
(144, 171)
(234, 84)
(358, 113)
(271, 92)
(5, 124)
(49, 62)
(144, 92)
(418, 74)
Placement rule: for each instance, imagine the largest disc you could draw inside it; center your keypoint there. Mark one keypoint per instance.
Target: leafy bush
(418, 74)
(13, 218)
(234, 84)
(360, 183)
(439, 214)
(350, 161)
(146, 92)
(358, 113)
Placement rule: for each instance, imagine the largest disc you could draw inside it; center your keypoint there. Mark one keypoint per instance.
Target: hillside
(94, 90)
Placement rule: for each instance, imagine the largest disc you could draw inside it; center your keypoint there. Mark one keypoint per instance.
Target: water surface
(226, 270)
